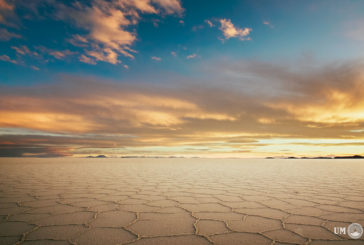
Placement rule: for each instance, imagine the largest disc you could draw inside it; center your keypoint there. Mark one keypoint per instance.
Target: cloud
(5, 10)
(105, 28)
(61, 54)
(108, 25)
(209, 22)
(86, 59)
(30, 151)
(35, 68)
(170, 6)
(191, 56)
(24, 50)
(7, 59)
(4, 5)
(107, 55)
(156, 58)
(230, 31)
(267, 23)
(5, 35)
(256, 107)
(132, 106)
(313, 95)
(45, 53)
(197, 27)
(78, 41)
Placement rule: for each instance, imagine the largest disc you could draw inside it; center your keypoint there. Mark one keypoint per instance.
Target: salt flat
(179, 201)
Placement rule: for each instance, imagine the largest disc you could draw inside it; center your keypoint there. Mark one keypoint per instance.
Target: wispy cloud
(197, 27)
(36, 68)
(78, 41)
(7, 59)
(169, 6)
(229, 30)
(269, 24)
(191, 56)
(209, 22)
(5, 35)
(156, 58)
(24, 50)
(106, 55)
(61, 54)
(54, 53)
(86, 59)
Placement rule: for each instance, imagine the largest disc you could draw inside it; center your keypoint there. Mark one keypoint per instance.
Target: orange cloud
(6, 9)
(108, 22)
(331, 105)
(88, 60)
(229, 30)
(45, 121)
(170, 6)
(133, 109)
(107, 55)
(5, 5)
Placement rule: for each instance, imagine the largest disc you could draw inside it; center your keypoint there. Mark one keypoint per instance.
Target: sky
(187, 78)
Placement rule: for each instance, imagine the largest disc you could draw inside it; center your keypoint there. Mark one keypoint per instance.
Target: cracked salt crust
(179, 201)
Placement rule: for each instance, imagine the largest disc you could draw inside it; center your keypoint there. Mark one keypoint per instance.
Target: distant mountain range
(103, 156)
(335, 157)
(319, 157)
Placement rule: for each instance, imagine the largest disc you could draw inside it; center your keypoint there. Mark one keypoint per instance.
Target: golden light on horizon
(52, 122)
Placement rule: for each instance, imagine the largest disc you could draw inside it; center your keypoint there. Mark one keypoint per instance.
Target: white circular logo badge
(355, 231)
